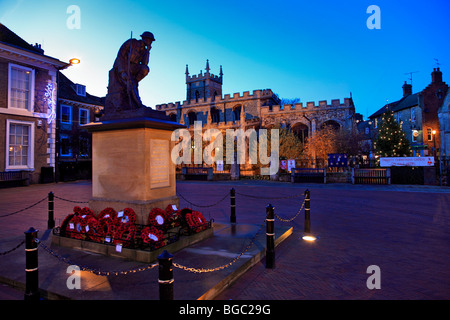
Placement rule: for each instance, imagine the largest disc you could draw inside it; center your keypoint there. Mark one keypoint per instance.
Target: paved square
(404, 230)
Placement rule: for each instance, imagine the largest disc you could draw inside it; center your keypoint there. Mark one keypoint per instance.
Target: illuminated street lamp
(74, 61)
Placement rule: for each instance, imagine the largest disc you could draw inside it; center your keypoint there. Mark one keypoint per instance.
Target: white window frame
(80, 110)
(30, 164)
(70, 114)
(30, 107)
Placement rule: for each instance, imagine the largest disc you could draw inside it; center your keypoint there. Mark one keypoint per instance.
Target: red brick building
(431, 99)
(418, 115)
(28, 84)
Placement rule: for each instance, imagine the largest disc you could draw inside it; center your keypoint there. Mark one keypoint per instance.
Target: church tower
(202, 86)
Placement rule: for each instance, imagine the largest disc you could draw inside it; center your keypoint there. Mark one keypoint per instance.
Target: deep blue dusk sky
(312, 50)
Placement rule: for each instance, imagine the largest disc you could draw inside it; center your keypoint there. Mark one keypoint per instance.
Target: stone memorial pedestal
(132, 166)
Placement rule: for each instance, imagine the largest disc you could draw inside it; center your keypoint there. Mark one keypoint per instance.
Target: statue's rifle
(128, 74)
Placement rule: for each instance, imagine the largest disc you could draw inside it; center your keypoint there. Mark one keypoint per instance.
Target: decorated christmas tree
(391, 140)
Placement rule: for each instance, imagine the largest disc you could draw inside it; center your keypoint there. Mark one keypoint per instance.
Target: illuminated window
(20, 144)
(415, 135)
(20, 87)
(429, 134)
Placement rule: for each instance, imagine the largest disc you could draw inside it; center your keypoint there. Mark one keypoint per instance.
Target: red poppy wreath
(125, 234)
(157, 217)
(152, 236)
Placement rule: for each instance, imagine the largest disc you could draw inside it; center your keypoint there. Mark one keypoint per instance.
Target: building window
(81, 90)
(367, 130)
(215, 116)
(237, 114)
(83, 116)
(84, 147)
(413, 115)
(21, 87)
(429, 134)
(192, 118)
(19, 144)
(375, 123)
(66, 114)
(66, 147)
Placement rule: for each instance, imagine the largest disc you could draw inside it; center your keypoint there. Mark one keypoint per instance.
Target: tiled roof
(12, 39)
(404, 103)
(67, 90)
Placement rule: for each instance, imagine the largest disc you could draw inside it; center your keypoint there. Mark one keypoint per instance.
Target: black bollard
(165, 276)
(270, 236)
(31, 265)
(51, 203)
(307, 211)
(233, 205)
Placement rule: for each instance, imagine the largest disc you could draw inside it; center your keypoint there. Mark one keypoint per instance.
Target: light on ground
(309, 238)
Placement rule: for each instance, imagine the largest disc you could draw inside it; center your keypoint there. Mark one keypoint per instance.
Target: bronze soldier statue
(129, 68)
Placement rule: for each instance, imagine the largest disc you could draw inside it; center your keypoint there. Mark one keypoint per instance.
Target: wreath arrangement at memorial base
(119, 227)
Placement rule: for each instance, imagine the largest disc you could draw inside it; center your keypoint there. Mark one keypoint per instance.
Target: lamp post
(435, 158)
(72, 62)
(434, 142)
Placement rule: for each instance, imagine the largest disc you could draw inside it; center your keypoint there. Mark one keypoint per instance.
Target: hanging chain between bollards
(205, 270)
(72, 201)
(13, 249)
(269, 198)
(92, 270)
(202, 206)
(29, 207)
(293, 218)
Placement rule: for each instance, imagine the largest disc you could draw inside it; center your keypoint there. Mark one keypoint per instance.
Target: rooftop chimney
(407, 89)
(436, 75)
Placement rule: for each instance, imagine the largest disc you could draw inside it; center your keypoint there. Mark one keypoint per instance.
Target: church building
(262, 108)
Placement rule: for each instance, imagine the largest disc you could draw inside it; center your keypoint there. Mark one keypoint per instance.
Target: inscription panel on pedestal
(159, 163)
